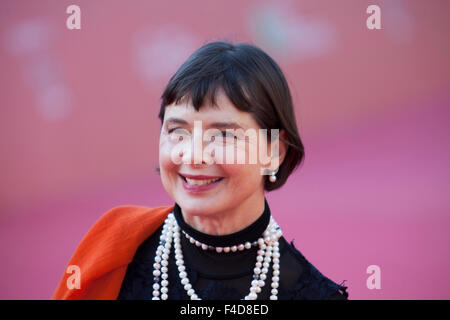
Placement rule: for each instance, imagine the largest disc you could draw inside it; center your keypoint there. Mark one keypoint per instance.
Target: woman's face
(239, 182)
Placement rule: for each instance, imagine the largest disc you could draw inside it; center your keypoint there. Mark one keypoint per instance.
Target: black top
(219, 276)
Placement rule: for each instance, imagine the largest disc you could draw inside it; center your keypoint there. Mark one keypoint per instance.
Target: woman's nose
(194, 151)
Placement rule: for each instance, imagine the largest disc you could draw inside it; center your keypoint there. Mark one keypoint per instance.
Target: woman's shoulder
(310, 283)
(124, 226)
(129, 214)
(110, 244)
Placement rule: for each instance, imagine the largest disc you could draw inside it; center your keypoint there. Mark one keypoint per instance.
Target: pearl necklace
(205, 247)
(268, 251)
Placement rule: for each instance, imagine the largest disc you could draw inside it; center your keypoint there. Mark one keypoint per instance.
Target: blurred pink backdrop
(79, 129)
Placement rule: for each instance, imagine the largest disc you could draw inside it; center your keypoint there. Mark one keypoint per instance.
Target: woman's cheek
(165, 160)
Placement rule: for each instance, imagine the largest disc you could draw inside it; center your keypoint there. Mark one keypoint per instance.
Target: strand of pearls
(205, 247)
(268, 252)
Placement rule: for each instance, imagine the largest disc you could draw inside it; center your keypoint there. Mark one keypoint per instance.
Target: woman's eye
(172, 130)
(177, 133)
(228, 135)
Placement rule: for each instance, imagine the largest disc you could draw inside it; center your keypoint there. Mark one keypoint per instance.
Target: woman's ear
(275, 144)
(282, 146)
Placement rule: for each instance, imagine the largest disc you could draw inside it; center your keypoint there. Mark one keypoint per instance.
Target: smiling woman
(219, 240)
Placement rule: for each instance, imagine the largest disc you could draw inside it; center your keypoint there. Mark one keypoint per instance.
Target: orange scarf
(103, 255)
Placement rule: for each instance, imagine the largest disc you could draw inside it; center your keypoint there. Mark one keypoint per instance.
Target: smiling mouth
(196, 182)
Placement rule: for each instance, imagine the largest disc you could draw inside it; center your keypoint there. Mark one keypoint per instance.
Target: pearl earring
(273, 177)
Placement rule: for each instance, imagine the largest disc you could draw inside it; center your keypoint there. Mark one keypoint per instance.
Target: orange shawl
(106, 250)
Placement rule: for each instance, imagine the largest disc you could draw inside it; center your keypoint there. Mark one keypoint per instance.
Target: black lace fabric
(227, 276)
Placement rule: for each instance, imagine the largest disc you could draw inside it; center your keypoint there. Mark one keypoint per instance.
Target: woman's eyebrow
(225, 124)
(176, 120)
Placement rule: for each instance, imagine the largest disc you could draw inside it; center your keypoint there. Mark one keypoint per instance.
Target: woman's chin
(201, 206)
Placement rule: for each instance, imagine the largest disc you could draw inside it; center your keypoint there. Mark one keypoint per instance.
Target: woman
(219, 240)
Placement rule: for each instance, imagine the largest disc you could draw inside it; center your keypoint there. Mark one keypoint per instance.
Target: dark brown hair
(252, 81)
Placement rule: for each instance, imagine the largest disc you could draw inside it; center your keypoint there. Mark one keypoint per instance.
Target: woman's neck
(230, 221)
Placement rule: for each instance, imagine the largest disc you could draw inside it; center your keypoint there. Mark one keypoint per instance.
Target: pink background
(79, 129)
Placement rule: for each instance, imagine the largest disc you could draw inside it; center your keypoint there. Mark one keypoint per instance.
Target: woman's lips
(199, 188)
(198, 177)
